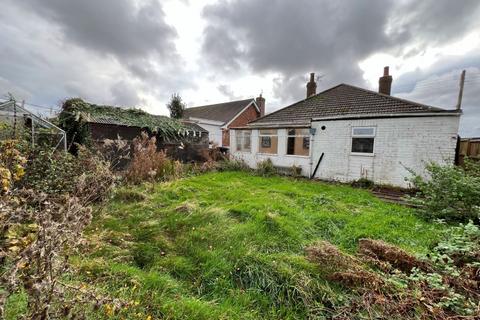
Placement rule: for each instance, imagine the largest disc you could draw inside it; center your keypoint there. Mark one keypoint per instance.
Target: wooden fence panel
(469, 148)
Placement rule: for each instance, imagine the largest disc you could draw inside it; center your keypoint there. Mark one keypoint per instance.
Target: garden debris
(341, 267)
(395, 256)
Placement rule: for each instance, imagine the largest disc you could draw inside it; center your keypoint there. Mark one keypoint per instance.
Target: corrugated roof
(222, 112)
(343, 100)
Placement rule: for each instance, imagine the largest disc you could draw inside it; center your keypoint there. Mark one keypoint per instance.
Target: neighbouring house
(85, 122)
(218, 118)
(346, 133)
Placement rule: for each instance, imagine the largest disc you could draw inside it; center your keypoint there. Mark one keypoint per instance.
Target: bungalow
(218, 118)
(346, 133)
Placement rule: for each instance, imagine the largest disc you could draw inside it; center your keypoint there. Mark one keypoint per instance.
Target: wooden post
(460, 92)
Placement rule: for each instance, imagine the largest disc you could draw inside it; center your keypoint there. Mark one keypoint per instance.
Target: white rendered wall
(400, 143)
(214, 132)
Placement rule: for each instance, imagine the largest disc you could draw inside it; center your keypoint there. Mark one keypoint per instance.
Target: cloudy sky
(139, 52)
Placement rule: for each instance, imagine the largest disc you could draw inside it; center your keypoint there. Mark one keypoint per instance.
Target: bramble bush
(86, 174)
(42, 219)
(449, 192)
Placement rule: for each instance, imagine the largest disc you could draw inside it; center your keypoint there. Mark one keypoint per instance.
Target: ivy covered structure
(91, 124)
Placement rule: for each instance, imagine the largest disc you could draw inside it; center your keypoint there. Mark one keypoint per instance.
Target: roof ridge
(220, 103)
(295, 103)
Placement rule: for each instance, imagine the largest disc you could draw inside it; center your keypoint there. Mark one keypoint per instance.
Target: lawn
(231, 245)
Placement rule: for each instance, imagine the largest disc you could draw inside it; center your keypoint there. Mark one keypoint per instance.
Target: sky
(139, 52)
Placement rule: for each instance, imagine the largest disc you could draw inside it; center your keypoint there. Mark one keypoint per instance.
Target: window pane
(242, 140)
(364, 145)
(268, 144)
(363, 131)
(246, 142)
(298, 146)
(291, 132)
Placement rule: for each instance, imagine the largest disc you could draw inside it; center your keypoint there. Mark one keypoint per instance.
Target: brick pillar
(311, 86)
(385, 82)
(261, 104)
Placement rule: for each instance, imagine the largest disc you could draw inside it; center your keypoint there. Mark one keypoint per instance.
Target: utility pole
(460, 92)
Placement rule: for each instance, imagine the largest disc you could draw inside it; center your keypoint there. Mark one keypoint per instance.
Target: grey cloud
(227, 91)
(117, 27)
(124, 94)
(294, 37)
(329, 37)
(434, 21)
(440, 88)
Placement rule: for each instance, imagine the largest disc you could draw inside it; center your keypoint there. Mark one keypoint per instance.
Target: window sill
(267, 154)
(362, 154)
(297, 156)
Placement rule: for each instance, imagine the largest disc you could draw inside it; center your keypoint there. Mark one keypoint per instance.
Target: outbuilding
(347, 133)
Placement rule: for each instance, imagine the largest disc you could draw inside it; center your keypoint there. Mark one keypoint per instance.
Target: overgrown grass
(231, 245)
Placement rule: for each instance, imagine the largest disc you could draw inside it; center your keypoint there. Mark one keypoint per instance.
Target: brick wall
(245, 117)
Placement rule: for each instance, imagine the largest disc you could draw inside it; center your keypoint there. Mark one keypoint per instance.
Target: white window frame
(242, 137)
(356, 135)
(260, 135)
(307, 135)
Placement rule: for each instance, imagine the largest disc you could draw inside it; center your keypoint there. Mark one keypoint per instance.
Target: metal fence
(16, 122)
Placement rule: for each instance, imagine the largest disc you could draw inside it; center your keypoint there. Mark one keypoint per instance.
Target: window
(268, 141)
(363, 139)
(298, 142)
(242, 140)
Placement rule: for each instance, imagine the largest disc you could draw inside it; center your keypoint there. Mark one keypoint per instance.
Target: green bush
(232, 165)
(449, 193)
(363, 183)
(84, 175)
(266, 168)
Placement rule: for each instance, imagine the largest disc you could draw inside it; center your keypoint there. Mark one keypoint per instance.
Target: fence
(17, 122)
(469, 148)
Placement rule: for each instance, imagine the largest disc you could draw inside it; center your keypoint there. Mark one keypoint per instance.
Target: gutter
(453, 113)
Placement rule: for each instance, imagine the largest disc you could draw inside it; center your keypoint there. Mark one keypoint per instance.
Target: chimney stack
(385, 82)
(311, 86)
(261, 104)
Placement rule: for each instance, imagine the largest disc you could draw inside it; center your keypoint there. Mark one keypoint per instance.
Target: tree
(176, 106)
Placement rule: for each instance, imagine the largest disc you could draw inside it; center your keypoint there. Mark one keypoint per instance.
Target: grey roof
(193, 127)
(222, 112)
(343, 100)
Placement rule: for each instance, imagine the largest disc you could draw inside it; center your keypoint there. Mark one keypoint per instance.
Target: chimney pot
(385, 82)
(385, 70)
(311, 85)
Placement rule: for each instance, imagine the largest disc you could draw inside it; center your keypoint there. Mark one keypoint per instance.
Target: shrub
(363, 183)
(449, 193)
(12, 164)
(295, 171)
(85, 175)
(232, 165)
(148, 164)
(266, 168)
(38, 233)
